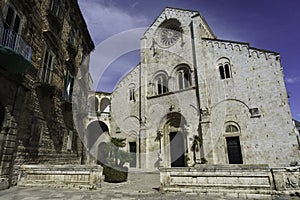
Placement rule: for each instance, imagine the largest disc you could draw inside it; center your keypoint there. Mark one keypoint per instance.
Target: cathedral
(194, 98)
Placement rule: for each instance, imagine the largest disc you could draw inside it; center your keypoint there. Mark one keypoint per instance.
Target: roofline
(164, 11)
(139, 64)
(183, 9)
(245, 43)
(90, 43)
(98, 91)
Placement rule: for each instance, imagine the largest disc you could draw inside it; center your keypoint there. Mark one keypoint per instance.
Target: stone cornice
(239, 46)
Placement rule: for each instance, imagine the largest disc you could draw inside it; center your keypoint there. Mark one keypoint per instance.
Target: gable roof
(178, 11)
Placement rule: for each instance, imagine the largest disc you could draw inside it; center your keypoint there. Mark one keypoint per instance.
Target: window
(105, 105)
(12, 23)
(12, 20)
(161, 84)
(56, 8)
(184, 78)
(48, 60)
(231, 129)
(131, 94)
(224, 68)
(69, 83)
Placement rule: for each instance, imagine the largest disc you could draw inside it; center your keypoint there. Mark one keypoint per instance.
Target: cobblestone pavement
(139, 186)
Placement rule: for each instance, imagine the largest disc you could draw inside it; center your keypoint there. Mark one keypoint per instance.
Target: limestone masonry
(195, 98)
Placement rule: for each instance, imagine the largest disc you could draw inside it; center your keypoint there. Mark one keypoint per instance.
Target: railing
(10, 39)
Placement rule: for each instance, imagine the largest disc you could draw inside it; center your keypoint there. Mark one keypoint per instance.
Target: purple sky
(268, 24)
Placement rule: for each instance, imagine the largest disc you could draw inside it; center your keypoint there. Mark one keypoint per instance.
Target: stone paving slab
(141, 186)
(24, 193)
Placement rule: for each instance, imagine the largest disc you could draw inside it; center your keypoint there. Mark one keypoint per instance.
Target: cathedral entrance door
(177, 149)
(234, 150)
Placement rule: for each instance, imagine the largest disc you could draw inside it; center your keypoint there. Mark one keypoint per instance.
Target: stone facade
(192, 88)
(36, 105)
(98, 125)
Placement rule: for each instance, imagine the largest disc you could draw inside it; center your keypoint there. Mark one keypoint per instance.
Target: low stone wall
(75, 176)
(249, 181)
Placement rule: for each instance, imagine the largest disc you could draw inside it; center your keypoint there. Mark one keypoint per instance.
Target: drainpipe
(197, 88)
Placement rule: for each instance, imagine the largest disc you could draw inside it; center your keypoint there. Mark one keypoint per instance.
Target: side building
(44, 72)
(98, 125)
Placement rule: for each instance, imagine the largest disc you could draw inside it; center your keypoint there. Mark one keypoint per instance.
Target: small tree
(113, 168)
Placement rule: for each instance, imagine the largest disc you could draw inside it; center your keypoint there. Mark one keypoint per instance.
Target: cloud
(104, 60)
(105, 19)
(292, 80)
(115, 32)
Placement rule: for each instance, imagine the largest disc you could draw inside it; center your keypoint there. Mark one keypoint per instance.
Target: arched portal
(174, 140)
(94, 131)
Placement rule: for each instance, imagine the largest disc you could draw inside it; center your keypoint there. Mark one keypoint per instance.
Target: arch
(183, 76)
(224, 68)
(173, 140)
(93, 104)
(105, 105)
(232, 127)
(161, 83)
(131, 92)
(231, 100)
(94, 130)
(234, 152)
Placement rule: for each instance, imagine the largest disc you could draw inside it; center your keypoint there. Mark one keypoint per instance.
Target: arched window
(224, 68)
(161, 84)
(93, 104)
(184, 78)
(104, 105)
(231, 129)
(131, 92)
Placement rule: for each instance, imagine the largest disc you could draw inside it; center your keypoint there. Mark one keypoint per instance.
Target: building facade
(98, 125)
(191, 88)
(45, 47)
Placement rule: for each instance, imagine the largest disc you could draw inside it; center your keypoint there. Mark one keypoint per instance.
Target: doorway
(234, 150)
(177, 149)
(132, 148)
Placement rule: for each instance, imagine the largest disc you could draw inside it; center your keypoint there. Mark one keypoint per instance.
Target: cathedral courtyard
(191, 116)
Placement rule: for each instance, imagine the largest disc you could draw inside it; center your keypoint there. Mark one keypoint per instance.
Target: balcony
(15, 53)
